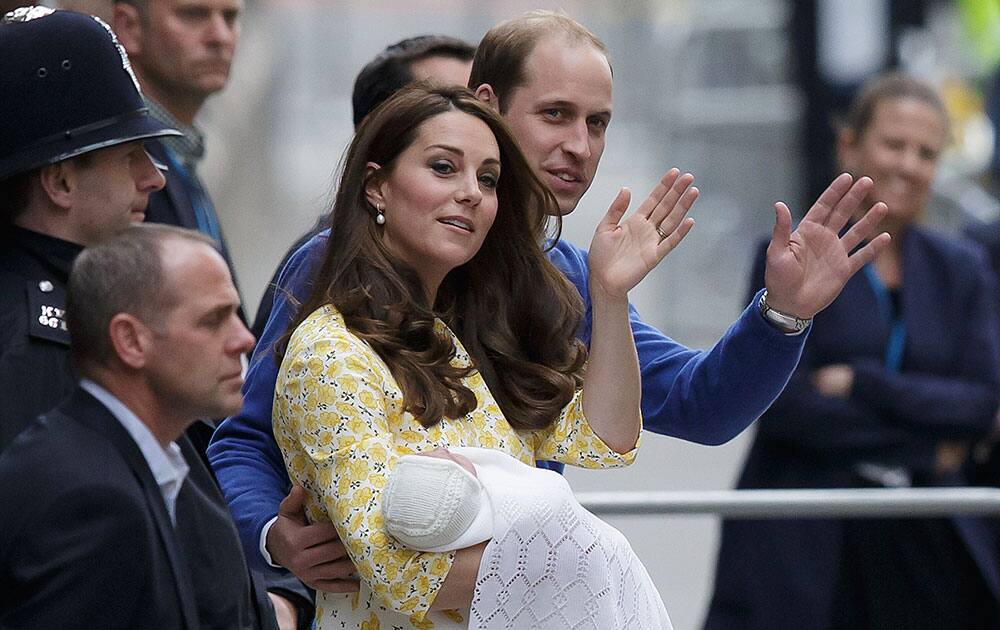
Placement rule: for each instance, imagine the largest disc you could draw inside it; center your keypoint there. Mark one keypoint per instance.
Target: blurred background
(739, 92)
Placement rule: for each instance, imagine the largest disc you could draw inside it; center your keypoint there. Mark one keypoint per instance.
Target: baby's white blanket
(551, 564)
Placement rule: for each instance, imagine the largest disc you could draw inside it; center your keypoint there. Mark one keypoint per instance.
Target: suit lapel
(174, 191)
(88, 411)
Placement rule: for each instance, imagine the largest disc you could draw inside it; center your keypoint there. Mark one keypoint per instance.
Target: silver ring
(663, 236)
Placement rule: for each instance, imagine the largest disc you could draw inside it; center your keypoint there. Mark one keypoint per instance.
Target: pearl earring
(379, 214)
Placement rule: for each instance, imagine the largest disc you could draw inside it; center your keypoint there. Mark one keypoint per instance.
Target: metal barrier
(836, 503)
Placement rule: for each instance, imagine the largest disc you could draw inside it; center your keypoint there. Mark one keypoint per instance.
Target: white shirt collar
(167, 464)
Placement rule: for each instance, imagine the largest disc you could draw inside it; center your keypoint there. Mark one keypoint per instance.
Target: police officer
(72, 170)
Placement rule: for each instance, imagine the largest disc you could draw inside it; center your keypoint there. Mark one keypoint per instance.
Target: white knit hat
(430, 502)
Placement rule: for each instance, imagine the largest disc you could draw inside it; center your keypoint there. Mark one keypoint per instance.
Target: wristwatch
(788, 324)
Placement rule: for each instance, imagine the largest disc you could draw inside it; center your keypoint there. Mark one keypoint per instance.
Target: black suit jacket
(35, 376)
(85, 538)
(90, 545)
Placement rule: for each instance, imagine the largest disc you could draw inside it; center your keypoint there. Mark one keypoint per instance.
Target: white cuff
(263, 543)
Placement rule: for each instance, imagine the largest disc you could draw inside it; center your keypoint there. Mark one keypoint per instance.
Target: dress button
(45, 286)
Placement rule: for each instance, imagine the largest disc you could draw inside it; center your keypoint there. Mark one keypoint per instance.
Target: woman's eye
(488, 180)
(552, 113)
(443, 168)
(894, 144)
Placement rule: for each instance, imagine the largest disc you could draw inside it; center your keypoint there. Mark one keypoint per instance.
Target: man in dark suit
(73, 171)
(182, 52)
(94, 541)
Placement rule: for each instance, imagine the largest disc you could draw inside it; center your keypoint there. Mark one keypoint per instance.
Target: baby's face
(461, 460)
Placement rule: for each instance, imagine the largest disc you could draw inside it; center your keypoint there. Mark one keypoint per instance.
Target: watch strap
(788, 324)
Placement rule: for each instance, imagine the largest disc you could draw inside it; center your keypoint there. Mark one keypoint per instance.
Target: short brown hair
(141, 7)
(500, 57)
(391, 68)
(890, 86)
(120, 274)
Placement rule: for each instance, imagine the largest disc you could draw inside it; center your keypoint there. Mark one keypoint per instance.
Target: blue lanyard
(897, 330)
(204, 212)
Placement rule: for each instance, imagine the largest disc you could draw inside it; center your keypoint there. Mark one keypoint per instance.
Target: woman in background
(898, 378)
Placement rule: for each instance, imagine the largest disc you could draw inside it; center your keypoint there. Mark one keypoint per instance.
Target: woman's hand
(621, 254)
(950, 457)
(808, 268)
(834, 381)
(624, 251)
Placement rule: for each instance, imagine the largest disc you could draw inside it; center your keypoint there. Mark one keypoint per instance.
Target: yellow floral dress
(340, 422)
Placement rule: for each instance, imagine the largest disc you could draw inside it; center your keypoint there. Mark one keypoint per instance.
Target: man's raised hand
(807, 269)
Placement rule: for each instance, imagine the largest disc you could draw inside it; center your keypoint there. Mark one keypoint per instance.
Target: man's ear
(374, 185)
(131, 340)
(59, 182)
(128, 27)
(486, 94)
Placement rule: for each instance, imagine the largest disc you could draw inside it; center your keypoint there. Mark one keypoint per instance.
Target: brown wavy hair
(514, 312)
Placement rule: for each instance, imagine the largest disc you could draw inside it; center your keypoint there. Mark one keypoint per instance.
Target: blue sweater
(707, 397)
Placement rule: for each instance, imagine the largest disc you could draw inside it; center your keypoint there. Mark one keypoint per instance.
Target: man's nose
(150, 178)
(577, 141)
(221, 30)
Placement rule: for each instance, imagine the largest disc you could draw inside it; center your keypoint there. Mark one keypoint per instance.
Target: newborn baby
(549, 563)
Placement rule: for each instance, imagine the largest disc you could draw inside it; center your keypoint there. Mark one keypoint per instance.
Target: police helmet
(66, 88)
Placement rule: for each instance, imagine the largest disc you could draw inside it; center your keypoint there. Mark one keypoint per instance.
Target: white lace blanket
(552, 564)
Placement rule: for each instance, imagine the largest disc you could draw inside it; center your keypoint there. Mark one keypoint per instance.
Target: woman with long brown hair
(436, 320)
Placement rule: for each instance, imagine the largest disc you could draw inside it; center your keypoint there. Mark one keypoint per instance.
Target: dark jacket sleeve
(35, 372)
(286, 585)
(806, 419)
(961, 404)
(34, 378)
